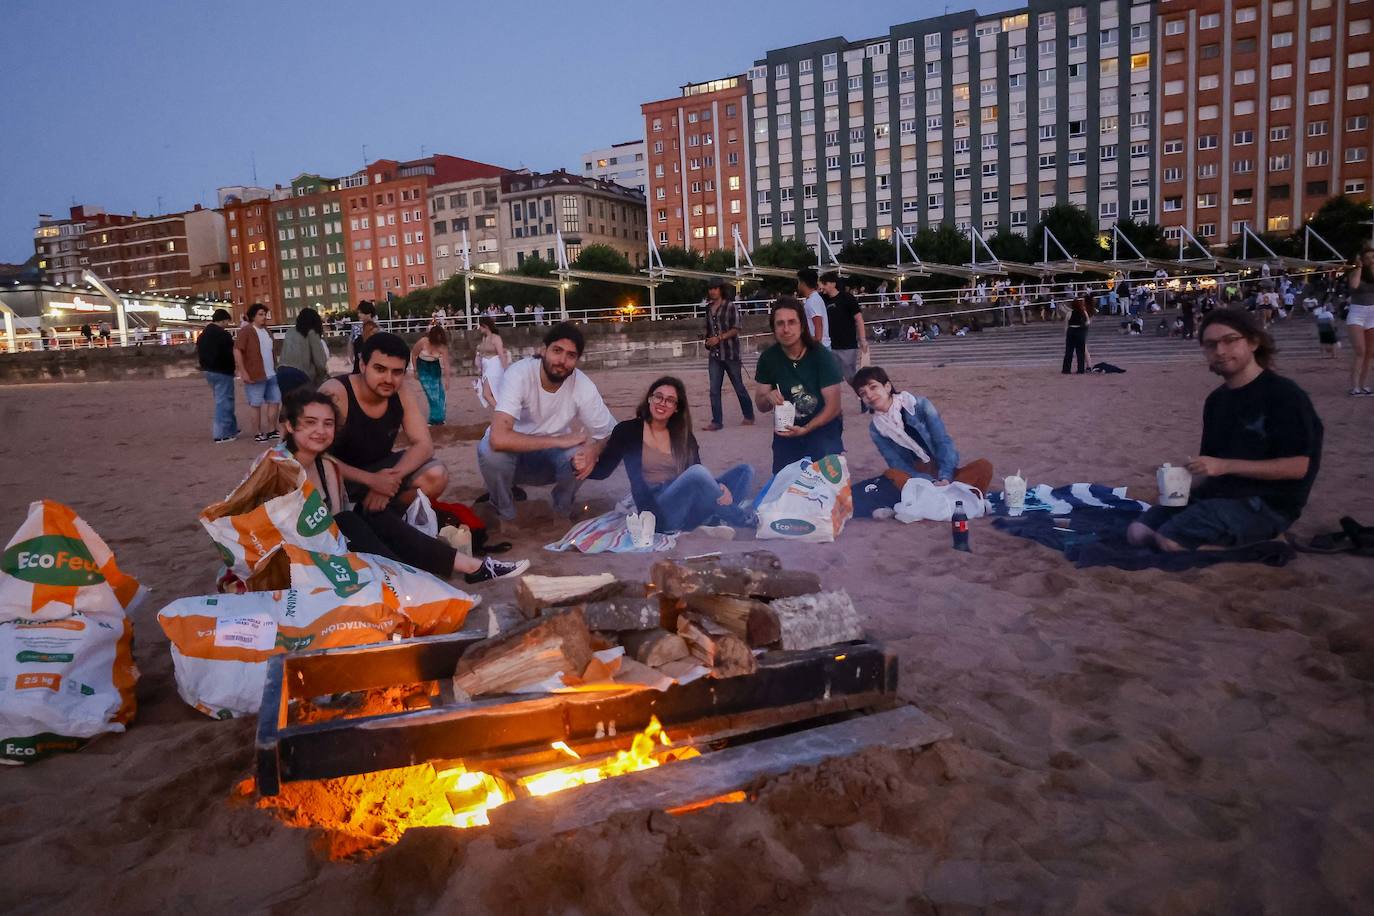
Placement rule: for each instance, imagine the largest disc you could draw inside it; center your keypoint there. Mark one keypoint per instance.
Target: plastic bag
(274, 505)
(221, 643)
(420, 515)
(807, 501)
(922, 500)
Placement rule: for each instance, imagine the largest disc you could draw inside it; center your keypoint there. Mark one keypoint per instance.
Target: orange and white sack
(221, 643)
(274, 505)
(807, 501)
(56, 566)
(63, 682)
(66, 645)
(430, 605)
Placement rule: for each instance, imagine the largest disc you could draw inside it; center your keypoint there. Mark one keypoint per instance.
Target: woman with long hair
(304, 354)
(663, 463)
(310, 420)
(1076, 333)
(1359, 321)
(492, 362)
(429, 356)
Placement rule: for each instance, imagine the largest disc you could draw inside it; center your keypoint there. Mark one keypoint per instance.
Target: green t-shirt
(801, 381)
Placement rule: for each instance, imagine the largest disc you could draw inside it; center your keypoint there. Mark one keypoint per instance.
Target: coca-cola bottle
(958, 524)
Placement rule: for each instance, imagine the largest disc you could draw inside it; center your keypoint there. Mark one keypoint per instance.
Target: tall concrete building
(1264, 111)
(467, 208)
(622, 163)
(535, 207)
(62, 244)
(158, 254)
(699, 160)
(311, 246)
(966, 119)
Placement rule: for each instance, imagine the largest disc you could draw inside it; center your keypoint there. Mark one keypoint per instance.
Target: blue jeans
(1217, 522)
(225, 423)
(501, 471)
(718, 369)
(693, 498)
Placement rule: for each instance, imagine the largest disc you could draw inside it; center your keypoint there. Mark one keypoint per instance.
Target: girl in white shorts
(1360, 321)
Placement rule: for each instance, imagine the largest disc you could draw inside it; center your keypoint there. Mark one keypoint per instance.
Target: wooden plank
(710, 775)
(271, 719)
(384, 664)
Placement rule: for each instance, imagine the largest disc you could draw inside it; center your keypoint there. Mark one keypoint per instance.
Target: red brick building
(157, 254)
(1264, 111)
(698, 159)
(62, 244)
(252, 254)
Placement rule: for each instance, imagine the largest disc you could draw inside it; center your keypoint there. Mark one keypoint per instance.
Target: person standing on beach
(254, 361)
(723, 349)
(845, 318)
(1076, 335)
(800, 371)
(363, 328)
(215, 350)
(1359, 321)
(817, 318)
(1260, 452)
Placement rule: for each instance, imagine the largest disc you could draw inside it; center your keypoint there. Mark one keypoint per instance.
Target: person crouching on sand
(1261, 447)
(310, 420)
(910, 435)
(664, 465)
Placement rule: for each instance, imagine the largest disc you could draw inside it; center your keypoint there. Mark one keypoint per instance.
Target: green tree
(682, 289)
(1147, 237)
(786, 254)
(1074, 229)
(1344, 222)
(868, 253)
(1288, 245)
(598, 294)
(1012, 246)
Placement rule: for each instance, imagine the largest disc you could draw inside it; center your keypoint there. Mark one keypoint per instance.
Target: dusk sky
(123, 105)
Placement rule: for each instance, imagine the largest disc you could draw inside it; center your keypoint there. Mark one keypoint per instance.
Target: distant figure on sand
(492, 362)
(911, 436)
(1359, 322)
(215, 350)
(363, 328)
(1261, 447)
(663, 463)
(373, 408)
(531, 439)
(430, 359)
(1076, 334)
(254, 361)
(311, 422)
(799, 371)
(723, 353)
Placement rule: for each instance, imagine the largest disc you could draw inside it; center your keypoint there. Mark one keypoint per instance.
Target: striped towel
(608, 534)
(1063, 500)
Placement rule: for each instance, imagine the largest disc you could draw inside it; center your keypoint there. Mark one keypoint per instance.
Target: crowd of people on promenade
(1259, 453)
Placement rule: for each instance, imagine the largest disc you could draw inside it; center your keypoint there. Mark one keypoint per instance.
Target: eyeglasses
(1228, 340)
(663, 399)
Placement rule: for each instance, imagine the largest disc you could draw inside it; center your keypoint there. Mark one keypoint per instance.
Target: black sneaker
(232, 438)
(273, 435)
(496, 569)
(262, 437)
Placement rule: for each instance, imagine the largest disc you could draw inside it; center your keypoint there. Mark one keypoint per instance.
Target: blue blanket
(1070, 498)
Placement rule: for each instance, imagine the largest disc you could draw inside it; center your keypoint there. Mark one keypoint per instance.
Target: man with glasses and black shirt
(846, 322)
(1261, 448)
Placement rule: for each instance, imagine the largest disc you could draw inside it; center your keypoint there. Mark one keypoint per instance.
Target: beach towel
(1097, 537)
(608, 533)
(1069, 498)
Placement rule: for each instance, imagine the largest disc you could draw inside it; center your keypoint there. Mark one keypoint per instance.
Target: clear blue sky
(118, 104)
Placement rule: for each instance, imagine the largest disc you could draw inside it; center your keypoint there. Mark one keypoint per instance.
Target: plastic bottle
(958, 523)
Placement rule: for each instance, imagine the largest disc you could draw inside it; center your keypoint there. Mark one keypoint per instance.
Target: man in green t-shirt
(799, 371)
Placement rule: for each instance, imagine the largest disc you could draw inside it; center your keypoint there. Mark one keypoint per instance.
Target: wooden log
(677, 581)
(716, 647)
(619, 615)
(654, 648)
(533, 593)
(682, 669)
(749, 559)
(525, 655)
(811, 621)
(748, 618)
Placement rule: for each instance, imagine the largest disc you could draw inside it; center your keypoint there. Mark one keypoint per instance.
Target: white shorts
(1361, 316)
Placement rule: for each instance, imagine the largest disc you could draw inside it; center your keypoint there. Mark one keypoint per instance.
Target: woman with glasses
(664, 466)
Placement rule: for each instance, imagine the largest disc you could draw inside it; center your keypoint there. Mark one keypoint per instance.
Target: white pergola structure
(121, 319)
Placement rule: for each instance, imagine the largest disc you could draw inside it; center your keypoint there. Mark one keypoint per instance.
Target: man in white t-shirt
(532, 439)
(817, 318)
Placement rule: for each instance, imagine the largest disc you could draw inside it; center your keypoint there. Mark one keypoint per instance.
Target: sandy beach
(1124, 741)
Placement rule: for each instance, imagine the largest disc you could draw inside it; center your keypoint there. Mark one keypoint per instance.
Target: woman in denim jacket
(910, 435)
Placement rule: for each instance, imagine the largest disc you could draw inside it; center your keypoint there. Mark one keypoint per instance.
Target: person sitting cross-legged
(1261, 447)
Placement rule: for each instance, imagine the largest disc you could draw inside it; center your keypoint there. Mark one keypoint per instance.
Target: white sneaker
(718, 532)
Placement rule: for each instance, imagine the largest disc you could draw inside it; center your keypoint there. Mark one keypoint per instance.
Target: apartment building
(312, 250)
(469, 209)
(158, 254)
(966, 119)
(1264, 110)
(622, 163)
(698, 162)
(252, 254)
(61, 244)
(535, 207)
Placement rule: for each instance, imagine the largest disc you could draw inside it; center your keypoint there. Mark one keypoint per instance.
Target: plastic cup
(1175, 484)
(784, 415)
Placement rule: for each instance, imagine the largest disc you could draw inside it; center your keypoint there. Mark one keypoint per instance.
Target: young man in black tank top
(373, 407)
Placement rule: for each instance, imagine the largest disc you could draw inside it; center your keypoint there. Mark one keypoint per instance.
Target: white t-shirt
(265, 344)
(541, 413)
(815, 306)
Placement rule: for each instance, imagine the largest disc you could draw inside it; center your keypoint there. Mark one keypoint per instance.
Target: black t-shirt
(841, 311)
(1269, 418)
(215, 349)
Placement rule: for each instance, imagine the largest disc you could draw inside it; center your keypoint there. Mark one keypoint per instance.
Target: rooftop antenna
(364, 155)
(253, 157)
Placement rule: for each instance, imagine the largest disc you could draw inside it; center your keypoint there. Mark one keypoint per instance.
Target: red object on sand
(462, 513)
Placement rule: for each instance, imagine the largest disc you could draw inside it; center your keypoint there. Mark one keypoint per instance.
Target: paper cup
(784, 415)
(1014, 492)
(1175, 483)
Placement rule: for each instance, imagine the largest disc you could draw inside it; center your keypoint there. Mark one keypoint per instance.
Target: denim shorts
(263, 392)
(1217, 522)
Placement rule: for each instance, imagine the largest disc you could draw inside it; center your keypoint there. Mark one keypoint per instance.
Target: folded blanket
(1069, 498)
(1097, 537)
(608, 534)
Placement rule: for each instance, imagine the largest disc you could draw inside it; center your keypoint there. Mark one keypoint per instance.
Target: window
(1244, 77)
(1175, 27)
(1319, 97)
(1318, 188)
(1140, 150)
(1207, 113)
(1280, 71)
(1245, 14)
(935, 201)
(1173, 204)
(1207, 170)
(1172, 87)
(1281, 40)
(1356, 154)
(1277, 223)
(828, 60)
(1281, 163)
(1207, 230)
(1047, 131)
(1173, 117)
(1173, 174)
(1280, 102)
(1207, 141)
(1243, 107)
(1209, 81)
(1359, 27)
(1209, 21)
(1355, 186)
(1356, 122)
(1353, 93)
(1319, 33)
(1107, 209)
(1280, 133)
(1047, 160)
(1173, 146)
(831, 87)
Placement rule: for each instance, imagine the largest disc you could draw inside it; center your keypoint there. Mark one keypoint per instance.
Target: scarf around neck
(891, 425)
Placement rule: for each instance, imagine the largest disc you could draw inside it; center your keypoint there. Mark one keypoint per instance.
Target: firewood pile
(708, 616)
